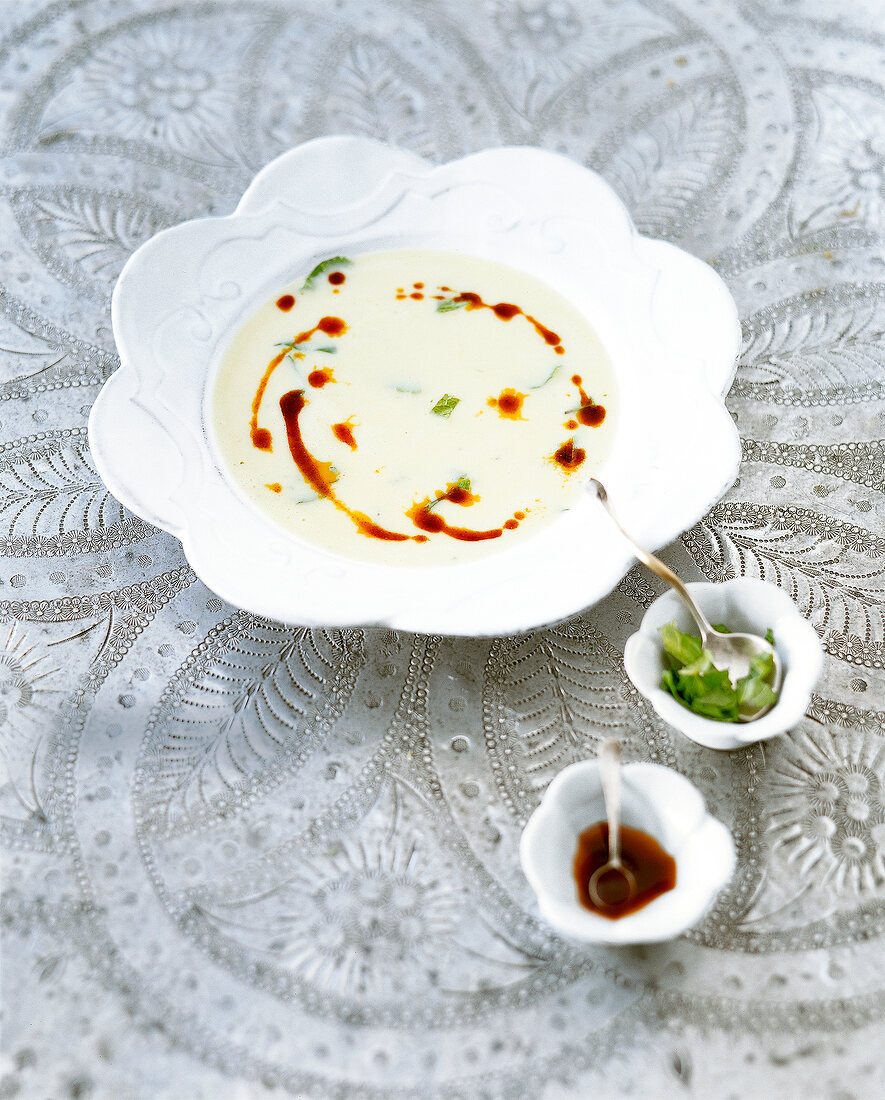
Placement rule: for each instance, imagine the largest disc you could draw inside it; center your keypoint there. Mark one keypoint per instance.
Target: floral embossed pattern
(247, 860)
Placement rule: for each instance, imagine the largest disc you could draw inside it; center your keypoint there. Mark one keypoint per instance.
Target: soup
(413, 407)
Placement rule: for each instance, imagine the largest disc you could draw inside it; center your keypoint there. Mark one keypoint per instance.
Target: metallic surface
(241, 860)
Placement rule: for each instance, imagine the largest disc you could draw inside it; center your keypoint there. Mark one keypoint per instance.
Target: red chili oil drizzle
(331, 326)
(261, 437)
(319, 377)
(568, 456)
(425, 520)
(436, 525)
(343, 432)
(274, 487)
(286, 302)
(337, 278)
(417, 295)
(590, 414)
(418, 286)
(319, 475)
(652, 867)
(509, 404)
(457, 494)
(506, 311)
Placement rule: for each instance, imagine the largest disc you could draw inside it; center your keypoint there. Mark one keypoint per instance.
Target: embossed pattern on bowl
(666, 319)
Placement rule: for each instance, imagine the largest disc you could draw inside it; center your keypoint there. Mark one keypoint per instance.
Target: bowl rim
(376, 190)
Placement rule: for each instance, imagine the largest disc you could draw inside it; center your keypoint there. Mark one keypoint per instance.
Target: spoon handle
(653, 563)
(610, 774)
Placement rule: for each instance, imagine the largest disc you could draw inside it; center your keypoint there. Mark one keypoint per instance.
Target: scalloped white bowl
(657, 800)
(667, 321)
(741, 604)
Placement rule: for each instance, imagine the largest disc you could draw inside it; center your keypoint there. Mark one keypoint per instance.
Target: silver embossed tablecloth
(242, 860)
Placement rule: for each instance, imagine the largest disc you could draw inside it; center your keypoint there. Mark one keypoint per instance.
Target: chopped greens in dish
(697, 684)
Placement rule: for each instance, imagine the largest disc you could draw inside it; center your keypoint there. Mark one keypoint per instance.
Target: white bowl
(657, 800)
(666, 319)
(744, 604)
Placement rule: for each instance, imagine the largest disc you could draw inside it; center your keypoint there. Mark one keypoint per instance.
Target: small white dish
(666, 319)
(660, 802)
(741, 604)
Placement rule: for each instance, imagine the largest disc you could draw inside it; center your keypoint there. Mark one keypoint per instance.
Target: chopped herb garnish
(333, 261)
(697, 684)
(464, 483)
(547, 379)
(328, 351)
(449, 304)
(445, 405)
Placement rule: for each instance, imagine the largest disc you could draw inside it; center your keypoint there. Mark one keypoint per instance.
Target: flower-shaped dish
(741, 604)
(660, 802)
(666, 319)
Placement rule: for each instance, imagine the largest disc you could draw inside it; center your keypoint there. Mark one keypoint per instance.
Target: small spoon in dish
(731, 652)
(620, 883)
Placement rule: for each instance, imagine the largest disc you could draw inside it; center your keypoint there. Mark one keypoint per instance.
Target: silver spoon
(610, 774)
(731, 652)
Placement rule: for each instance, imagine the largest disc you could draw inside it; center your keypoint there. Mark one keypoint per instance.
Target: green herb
(333, 261)
(296, 351)
(754, 690)
(694, 680)
(328, 351)
(445, 405)
(683, 649)
(547, 379)
(449, 304)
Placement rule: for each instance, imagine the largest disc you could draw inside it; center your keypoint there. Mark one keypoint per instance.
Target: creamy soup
(413, 407)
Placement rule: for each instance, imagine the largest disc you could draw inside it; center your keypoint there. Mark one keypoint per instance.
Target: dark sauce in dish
(653, 868)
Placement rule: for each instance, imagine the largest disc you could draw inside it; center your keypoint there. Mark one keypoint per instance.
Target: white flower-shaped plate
(740, 604)
(660, 802)
(666, 319)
